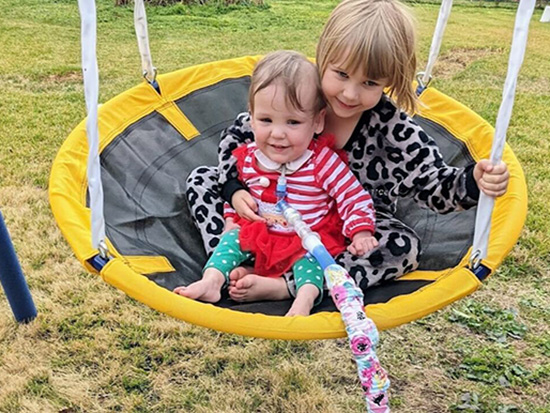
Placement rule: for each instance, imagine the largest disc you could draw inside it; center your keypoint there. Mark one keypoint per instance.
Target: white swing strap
(517, 52)
(444, 12)
(140, 23)
(91, 89)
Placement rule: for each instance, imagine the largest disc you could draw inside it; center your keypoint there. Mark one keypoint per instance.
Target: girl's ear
(319, 121)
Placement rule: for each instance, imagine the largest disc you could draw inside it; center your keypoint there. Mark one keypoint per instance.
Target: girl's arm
(353, 203)
(421, 172)
(232, 190)
(239, 133)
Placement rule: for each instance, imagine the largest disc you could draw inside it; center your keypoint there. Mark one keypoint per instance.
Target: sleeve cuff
(472, 190)
(229, 188)
(228, 212)
(364, 227)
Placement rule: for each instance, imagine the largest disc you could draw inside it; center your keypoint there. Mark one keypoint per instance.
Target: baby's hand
(245, 206)
(491, 179)
(230, 224)
(362, 243)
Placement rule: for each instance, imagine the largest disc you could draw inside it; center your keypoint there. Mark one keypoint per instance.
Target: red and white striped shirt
(313, 189)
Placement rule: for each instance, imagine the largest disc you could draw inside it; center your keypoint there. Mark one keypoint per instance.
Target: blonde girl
(366, 59)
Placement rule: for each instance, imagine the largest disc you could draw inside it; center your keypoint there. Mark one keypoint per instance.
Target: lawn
(92, 349)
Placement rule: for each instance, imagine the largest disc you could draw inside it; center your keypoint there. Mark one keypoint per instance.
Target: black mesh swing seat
(150, 142)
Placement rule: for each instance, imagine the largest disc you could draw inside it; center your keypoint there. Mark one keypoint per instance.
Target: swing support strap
(424, 78)
(140, 23)
(517, 52)
(91, 90)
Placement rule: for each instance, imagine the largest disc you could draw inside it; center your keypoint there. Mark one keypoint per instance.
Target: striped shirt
(324, 180)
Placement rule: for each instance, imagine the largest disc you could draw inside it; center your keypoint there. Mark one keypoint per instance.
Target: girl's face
(282, 132)
(350, 94)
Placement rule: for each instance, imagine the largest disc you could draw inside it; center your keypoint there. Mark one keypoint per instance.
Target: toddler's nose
(278, 132)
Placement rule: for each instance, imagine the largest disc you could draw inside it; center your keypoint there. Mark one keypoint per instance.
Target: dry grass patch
(538, 86)
(457, 60)
(67, 77)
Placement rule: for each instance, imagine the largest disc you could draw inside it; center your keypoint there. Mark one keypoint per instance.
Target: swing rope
(91, 90)
(140, 23)
(424, 78)
(517, 52)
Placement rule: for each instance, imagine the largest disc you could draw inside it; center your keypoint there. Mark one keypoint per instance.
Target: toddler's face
(282, 132)
(350, 94)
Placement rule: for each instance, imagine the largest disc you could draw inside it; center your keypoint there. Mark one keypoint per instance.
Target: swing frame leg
(12, 279)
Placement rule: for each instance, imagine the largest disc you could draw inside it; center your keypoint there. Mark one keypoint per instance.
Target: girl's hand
(245, 206)
(362, 243)
(491, 179)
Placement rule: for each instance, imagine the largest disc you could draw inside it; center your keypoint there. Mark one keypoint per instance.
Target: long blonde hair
(376, 37)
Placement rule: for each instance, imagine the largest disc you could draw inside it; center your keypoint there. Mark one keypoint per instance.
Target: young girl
(287, 108)
(367, 47)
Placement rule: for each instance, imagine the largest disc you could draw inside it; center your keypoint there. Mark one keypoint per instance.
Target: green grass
(92, 349)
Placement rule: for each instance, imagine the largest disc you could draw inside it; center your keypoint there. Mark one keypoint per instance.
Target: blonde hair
(376, 37)
(291, 70)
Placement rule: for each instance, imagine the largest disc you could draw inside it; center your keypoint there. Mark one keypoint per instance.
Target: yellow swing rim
(68, 185)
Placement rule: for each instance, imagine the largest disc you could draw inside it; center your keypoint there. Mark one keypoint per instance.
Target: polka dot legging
(228, 255)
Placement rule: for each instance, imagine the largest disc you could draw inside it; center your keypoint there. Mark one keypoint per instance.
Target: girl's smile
(345, 105)
(278, 148)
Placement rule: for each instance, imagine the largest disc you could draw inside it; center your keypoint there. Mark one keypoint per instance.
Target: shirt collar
(272, 166)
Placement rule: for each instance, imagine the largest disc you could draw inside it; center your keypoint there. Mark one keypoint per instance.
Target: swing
(153, 135)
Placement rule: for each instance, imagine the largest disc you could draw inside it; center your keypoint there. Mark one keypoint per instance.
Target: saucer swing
(117, 191)
(153, 135)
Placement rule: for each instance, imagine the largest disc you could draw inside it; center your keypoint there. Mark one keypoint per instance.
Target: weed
(494, 365)
(495, 323)
(78, 326)
(473, 402)
(543, 343)
(136, 383)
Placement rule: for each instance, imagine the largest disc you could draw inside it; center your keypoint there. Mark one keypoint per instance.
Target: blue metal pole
(13, 280)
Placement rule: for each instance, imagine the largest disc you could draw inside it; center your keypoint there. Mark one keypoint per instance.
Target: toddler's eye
(265, 120)
(371, 83)
(294, 122)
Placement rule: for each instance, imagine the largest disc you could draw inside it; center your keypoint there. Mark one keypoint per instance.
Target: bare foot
(238, 273)
(305, 298)
(207, 289)
(252, 287)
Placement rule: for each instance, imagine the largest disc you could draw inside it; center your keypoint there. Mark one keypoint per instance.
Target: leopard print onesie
(390, 155)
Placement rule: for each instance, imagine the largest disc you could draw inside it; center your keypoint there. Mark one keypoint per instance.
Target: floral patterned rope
(361, 330)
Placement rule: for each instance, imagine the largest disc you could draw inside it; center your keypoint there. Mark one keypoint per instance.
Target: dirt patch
(74, 76)
(456, 60)
(539, 86)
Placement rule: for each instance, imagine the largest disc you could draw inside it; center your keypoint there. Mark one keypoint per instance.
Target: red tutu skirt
(276, 252)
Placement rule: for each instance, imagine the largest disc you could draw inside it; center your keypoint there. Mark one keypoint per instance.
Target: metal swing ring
(103, 250)
(421, 83)
(154, 78)
(475, 260)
